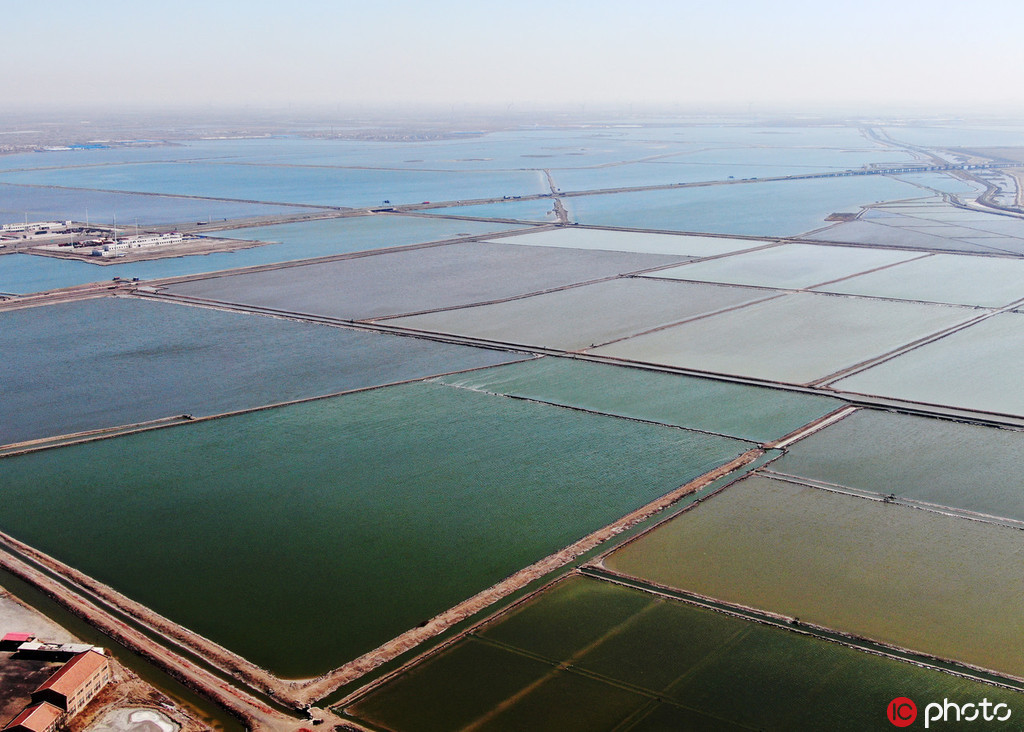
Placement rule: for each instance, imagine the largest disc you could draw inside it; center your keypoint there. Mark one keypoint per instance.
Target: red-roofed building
(11, 641)
(18, 637)
(76, 683)
(37, 718)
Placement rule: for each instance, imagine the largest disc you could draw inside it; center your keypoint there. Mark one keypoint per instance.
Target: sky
(559, 53)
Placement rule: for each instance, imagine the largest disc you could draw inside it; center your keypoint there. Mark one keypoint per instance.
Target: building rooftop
(17, 638)
(37, 717)
(56, 647)
(74, 673)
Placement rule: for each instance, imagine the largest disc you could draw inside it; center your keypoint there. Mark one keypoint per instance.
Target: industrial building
(108, 248)
(43, 717)
(34, 226)
(51, 651)
(11, 641)
(76, 683)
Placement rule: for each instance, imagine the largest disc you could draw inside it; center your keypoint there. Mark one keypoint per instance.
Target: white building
(36, 226)
(138, 242)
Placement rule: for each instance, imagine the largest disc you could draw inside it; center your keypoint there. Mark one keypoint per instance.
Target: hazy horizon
(743, 57)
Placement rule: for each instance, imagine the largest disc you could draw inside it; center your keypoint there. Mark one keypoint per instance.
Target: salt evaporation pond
(313, 185)
(795, 338)
(948, 278)
(881, 233)
(958, 136)
(722, 164)
(132, 360)
(325, 237)
(189, 150)
(849, 550)
(587, 654)
(975, 368)
(538, 209)
(347, 520)
(738, 410)
(414, 280)
(580, 317)
(788, 266)
(938, 461)
(103, 208)
(637, 241)
(941, 181)
(509, 150)
(26, 273)
(783, 208)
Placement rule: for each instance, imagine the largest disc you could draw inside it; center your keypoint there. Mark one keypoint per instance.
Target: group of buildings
(32, 228)
(65, 693)
(110, 247)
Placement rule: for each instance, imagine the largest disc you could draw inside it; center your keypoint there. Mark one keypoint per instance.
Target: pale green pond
(747, 412)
